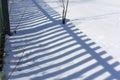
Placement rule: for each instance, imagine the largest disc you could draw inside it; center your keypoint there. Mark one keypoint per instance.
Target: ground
(42, 48)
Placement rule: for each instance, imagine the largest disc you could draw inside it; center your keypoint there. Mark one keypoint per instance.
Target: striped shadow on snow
(44, 49)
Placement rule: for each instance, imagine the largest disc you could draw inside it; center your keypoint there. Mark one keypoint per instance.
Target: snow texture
(42, 48)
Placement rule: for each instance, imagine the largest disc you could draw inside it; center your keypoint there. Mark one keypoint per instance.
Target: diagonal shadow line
(42, 10)
(63, 33)
(87, 69)
(47, 34)
(43, 62)
(56, 65)
(36, 33)
(49, 53)
(91, 51)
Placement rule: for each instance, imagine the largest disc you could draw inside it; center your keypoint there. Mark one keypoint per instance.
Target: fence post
(4, 28)
(5, 12)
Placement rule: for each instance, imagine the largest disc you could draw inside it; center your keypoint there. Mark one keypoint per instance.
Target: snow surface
(99, 19)
(86, 48)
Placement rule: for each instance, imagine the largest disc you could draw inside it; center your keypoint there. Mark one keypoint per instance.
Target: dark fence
(4, 28)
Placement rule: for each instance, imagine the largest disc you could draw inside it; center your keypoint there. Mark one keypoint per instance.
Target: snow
(86, 48)
(99, 19)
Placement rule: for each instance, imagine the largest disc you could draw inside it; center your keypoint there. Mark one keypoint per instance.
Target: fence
(4, 28)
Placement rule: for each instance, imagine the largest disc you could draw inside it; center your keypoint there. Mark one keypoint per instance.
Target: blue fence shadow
(45, 49)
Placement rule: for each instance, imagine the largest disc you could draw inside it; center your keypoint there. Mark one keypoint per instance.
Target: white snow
(99, 19)
(86, 48)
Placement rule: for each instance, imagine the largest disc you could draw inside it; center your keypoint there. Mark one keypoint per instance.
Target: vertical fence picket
(4, 28)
